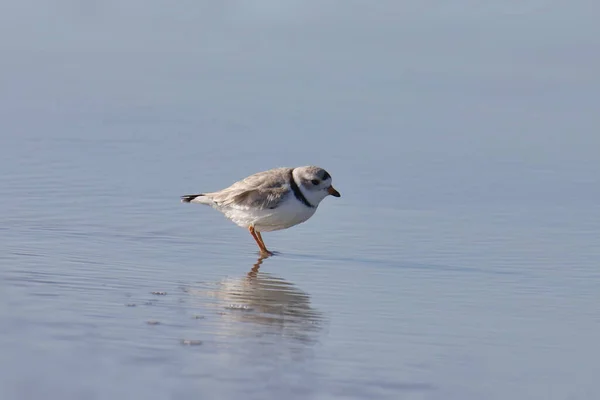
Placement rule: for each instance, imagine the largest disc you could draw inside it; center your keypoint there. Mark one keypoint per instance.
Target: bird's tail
(192, 198)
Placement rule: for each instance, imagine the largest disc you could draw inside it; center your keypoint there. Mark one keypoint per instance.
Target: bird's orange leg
(263, 242)
(259, 242)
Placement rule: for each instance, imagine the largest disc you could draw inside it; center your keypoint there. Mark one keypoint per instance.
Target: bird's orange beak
(333, 192)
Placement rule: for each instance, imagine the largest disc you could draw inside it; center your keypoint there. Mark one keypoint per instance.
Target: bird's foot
(266, 253)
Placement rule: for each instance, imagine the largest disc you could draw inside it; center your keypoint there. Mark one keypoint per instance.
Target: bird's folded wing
(258, 199)
(260, 191)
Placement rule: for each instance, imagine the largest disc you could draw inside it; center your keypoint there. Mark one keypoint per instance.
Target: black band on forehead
(325, 175)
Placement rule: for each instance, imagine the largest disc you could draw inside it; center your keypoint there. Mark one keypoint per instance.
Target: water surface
(461, 261)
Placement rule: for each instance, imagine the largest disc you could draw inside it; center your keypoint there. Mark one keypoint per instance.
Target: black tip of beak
(334, 192)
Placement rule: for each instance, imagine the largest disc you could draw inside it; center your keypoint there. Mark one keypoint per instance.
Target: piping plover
(270, 200)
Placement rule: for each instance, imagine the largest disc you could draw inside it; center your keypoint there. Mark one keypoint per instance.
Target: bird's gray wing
(263, 190)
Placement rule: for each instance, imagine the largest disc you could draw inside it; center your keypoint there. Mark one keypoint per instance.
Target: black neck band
(298, 192)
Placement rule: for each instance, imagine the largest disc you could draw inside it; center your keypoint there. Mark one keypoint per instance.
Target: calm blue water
(461, 262)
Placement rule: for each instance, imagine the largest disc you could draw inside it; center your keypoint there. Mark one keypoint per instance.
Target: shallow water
(461, 261)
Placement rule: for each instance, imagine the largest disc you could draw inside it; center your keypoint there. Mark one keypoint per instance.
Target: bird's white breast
(288, 213)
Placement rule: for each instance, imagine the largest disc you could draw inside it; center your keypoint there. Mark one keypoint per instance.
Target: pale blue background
(460, 263)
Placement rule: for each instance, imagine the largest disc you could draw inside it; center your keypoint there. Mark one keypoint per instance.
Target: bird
(270, 200)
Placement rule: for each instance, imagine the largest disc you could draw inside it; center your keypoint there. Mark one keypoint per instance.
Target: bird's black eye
(315, 182)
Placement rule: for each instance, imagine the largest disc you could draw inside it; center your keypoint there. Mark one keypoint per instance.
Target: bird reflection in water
(270, 304)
